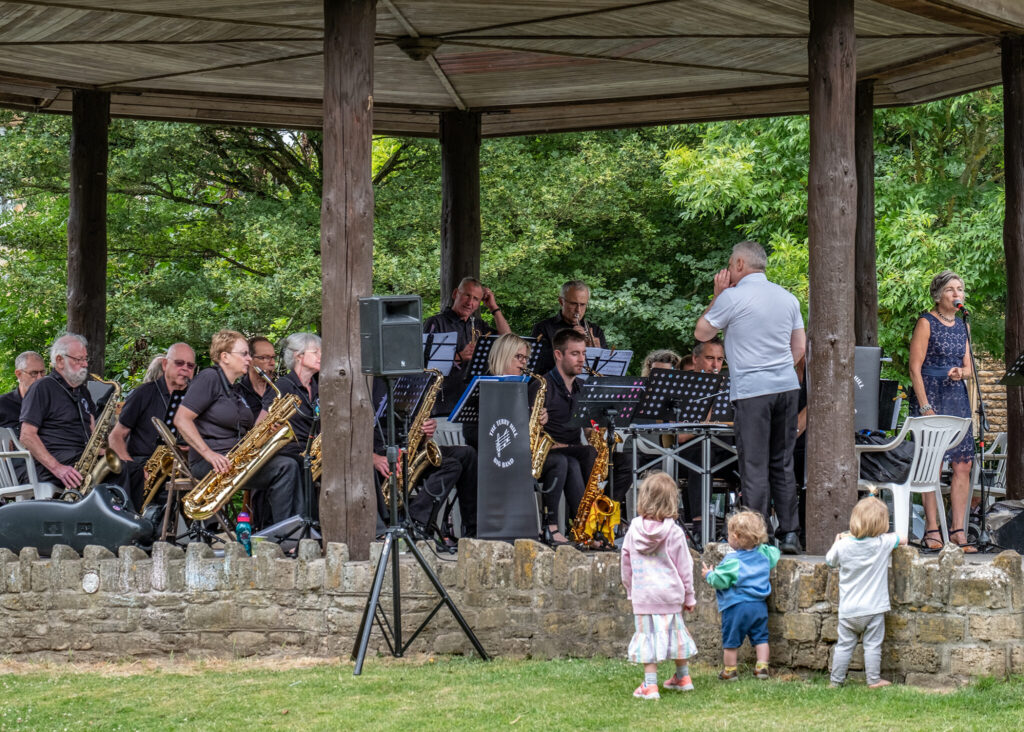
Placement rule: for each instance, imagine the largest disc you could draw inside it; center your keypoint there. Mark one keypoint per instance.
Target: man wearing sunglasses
(134, 438)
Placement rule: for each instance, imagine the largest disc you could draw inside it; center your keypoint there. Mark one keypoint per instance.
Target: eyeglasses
(522, 357)
(178, 363)
(76, 359)
(36, 374)
(271, 357)
(243, 354)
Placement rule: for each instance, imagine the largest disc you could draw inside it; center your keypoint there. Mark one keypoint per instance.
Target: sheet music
(467, 409)
(607, 361)
(441, 352)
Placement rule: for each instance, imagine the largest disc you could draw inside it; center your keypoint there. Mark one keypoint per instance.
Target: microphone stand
(984, 540)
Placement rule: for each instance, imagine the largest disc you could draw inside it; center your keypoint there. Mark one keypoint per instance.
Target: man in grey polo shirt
(764, 337)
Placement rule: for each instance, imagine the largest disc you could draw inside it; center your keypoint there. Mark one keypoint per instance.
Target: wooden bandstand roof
(528, 65)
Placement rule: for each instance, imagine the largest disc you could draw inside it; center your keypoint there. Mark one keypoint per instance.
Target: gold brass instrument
(98, 460)
(247, 457)
(430, 455)
(588, 335)
(540, 441)
(316, 457)
(597, 513)
(158, 469)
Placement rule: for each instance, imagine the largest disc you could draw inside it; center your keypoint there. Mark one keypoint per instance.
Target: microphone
(960, 306)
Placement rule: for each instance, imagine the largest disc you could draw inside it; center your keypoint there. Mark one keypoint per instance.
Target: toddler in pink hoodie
(657, 571)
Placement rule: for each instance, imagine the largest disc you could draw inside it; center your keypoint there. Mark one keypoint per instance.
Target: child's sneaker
(683, 684)
(647, 691)
(732, 675)
(761, 672)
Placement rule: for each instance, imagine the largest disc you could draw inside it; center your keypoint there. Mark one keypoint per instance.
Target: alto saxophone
(158, 469)
(97, 459)
(597, 513)
(540, 441)
(246, 458)
(430, 454)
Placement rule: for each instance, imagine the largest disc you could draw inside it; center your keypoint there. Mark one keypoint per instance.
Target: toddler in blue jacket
(742, 584)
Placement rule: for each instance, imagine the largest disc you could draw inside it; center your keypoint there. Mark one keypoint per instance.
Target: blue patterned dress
(947, 345)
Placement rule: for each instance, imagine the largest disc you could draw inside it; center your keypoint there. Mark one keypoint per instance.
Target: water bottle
(243, 532)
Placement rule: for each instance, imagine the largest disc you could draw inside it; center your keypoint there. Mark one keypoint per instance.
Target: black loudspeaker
(867, 369)
(888, 392)
(1011, 534)
(391, 335)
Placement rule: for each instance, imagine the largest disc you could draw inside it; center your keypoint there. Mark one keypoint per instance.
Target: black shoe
(790, 543)
(548, 538)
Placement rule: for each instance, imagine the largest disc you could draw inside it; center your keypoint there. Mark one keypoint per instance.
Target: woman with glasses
(252, 385)
(214, 416)
(509, 357)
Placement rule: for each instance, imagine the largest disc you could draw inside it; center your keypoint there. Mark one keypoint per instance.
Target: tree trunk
(866, 313)
(347, 503)
(87, 223)
(831, 214)
(1013, 245)
(460, 199)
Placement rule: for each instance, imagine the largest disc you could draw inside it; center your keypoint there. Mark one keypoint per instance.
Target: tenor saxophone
(419, 459)
(540, 441)
(98, 460)
(158, 469)
(246, 458)
(596, 510)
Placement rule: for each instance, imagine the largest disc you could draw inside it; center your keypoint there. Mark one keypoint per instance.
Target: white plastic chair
(995, 482)
(448, 433)
(933, 436)
(10, 450)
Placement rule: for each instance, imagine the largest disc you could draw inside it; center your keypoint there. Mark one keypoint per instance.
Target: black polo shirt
(252, 398)
(448, 321)
(146, 401)
(560, 403)
(309, 404)
(224, 416)
(550, 327)
(61, 414)
(10, 410)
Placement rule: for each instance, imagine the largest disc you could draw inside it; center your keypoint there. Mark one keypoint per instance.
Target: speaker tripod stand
(395, 532)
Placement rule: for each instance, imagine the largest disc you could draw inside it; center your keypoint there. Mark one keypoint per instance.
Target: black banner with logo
(506, 506)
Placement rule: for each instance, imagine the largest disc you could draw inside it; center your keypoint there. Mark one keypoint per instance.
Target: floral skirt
(660, 637)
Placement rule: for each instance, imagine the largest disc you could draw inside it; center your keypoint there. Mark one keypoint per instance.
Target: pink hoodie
(657, 568)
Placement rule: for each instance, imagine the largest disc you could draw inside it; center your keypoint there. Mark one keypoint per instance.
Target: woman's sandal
(967, 548)
(930, 544)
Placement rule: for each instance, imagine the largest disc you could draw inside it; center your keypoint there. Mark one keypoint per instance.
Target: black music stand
(1014, 375)
(439, 351)
(542, 356)
(984, 543)
(478, 363)
(608, 361)
(393, 534)
(608, 402)
(679, 396)
(467, 409)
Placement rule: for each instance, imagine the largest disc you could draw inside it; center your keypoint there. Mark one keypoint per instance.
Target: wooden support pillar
(831, 214)
(347, 502)
(460, 199)
(87, 223)
(1013, 246)
(865, 322)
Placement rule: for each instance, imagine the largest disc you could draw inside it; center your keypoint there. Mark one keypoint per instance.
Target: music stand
(985, 542)
(604, 402)
(722, 408)
(307, 527)
(467, 409)
(678, 396)
(478, 363)
(607, 362)
(1014, 375)
(439, 351)
(542, 356)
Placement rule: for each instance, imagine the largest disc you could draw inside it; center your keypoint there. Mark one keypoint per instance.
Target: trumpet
(588, 335)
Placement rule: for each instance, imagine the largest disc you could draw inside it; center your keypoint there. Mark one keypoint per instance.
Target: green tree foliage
(212, 228)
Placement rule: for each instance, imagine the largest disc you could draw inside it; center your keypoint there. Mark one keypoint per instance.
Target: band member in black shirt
(134, 438)
(461, 317)
(28, 369)
(572, 312)
(560, 401)
(214, 416)
(252, 385)
(302, 358)
(57, 413)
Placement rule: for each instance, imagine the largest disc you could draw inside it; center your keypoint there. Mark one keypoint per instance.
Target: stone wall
(949, 618)
(990, 371)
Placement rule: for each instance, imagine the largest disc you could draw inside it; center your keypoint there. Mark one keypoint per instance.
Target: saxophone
(540, 441)
(316, 457)
(430, 454)
(158, 469)
(597, 512)
(98, 460)
(250, 454)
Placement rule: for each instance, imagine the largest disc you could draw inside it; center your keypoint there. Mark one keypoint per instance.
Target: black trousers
(458, 470)
(562, 475)
(130, 478)
(765, 436)
(579, 462)
(277, 480)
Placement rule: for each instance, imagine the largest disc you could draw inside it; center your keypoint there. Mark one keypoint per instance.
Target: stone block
(938, 629)
(309, 550)
(996, 627)
(309, 574)
(903, 558)
(566, 557)
(273, 571)
(579, 580)
(830, 628)
(1016, 651)
(906, 657)
(784, 585)
(800, 627)
(93, 553)
(239, 569)
(813, 586)
(68, 575)
(937, 682)
(1009, 562)
(980, 660)
(40, 573)
(978, 586)
(898, 626)
(7, 556)
(336, 556)
(524, 561)
(63, 551)
(606, 575)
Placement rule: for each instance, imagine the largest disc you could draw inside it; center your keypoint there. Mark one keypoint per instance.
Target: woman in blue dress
(939, 363)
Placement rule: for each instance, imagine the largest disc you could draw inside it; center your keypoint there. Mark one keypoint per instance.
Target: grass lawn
(458, 694)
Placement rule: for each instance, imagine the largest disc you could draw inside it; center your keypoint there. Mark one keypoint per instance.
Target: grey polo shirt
(758, 318)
